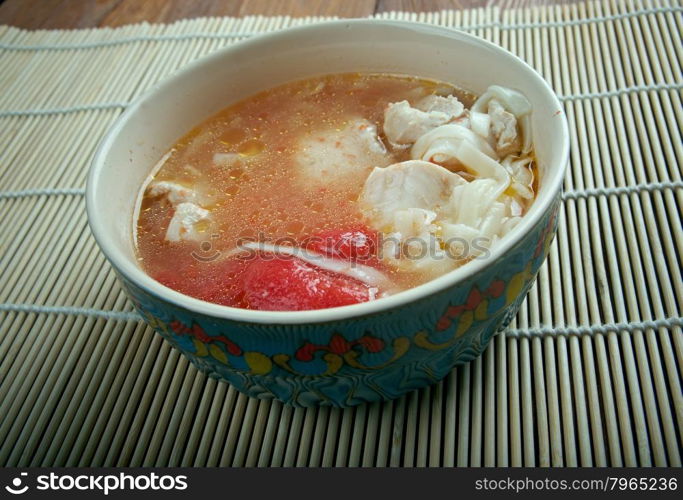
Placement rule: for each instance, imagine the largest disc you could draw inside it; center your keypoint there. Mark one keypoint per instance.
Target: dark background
(59, 14)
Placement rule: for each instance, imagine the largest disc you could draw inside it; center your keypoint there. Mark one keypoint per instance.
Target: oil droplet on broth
(251, 147)
(232, 136)
(294, 228)
(235, 173)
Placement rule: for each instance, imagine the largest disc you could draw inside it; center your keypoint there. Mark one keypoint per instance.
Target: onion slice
(444, 138)
(483, 166)
(480, 123)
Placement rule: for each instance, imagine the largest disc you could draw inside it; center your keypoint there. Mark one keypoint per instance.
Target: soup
(336, 190)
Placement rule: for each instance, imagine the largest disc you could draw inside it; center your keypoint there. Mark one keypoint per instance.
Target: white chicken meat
(328, 156)
(184, 220)
(510, 117)
(404, 124)
(433, 219)
(174, 193)
(186, 210)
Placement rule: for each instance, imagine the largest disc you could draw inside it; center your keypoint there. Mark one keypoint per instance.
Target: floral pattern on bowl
(370, 358)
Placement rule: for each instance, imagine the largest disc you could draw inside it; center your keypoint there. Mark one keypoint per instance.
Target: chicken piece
(504, 130)
(331, 155)
(184, 220)
(405, 200)
(449, 105)
(406, 185)
(433, 220)
(175, 193)
(186, 212)
(413, 222)
(512, 103)
(404, 124)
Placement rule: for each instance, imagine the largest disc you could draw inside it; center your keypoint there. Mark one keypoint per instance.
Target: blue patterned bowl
(353, 354)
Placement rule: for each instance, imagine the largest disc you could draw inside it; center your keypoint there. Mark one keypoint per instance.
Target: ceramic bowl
(346, 355)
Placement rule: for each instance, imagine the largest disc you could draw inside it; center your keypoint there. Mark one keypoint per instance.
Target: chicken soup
(336, 190)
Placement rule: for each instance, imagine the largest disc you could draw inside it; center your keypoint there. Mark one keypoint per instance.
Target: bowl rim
(137, 275)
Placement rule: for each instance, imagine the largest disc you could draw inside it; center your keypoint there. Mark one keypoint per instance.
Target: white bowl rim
(135, 274)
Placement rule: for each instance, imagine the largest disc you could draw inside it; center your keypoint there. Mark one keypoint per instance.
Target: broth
(278, 167)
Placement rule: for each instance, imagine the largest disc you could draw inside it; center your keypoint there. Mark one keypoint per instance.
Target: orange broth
(256, 195)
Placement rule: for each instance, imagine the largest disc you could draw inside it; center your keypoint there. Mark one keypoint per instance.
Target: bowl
(346, 355)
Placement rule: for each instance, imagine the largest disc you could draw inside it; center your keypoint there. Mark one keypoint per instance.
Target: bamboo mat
(589, 373)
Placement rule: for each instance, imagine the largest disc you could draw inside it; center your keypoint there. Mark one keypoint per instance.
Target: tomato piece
(355, 244)
(277, 283)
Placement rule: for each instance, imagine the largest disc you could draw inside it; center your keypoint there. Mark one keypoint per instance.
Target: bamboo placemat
(589, 373)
